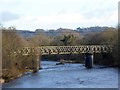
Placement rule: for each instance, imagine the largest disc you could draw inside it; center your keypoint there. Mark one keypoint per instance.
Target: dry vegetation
(108, 37)
(14, 66)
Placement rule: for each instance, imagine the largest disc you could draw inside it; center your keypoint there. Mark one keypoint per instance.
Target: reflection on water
(67, 76)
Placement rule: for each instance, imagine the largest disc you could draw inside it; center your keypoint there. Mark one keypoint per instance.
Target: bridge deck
(46, 50)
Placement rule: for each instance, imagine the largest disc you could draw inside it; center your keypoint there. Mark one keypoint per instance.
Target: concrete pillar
(37, 64)
(88, 60)
(40, 62)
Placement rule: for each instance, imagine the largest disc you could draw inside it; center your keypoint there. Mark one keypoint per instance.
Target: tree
(68, 40)
(14, 63)
(107, 37)
(40, 39)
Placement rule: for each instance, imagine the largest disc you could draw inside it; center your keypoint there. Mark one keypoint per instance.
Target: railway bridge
(88, 50)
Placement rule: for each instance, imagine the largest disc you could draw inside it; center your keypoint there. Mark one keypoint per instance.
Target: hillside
(53, 32)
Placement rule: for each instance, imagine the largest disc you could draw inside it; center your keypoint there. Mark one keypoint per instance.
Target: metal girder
(46, 50)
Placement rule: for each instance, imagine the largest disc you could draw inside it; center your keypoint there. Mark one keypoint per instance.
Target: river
(67, 76)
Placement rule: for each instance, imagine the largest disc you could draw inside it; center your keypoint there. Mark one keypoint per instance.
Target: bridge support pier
(37, 64)
(88, 60)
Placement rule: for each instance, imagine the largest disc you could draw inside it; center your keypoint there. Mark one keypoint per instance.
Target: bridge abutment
(37, 64)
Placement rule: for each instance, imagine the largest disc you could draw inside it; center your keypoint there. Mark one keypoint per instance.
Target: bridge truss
(46, 50)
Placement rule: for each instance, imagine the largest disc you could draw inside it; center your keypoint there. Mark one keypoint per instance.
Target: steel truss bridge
(46, 50)
(89, 50)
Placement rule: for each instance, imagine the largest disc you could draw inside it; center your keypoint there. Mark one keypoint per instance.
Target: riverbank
(67, 76)
(8, 77)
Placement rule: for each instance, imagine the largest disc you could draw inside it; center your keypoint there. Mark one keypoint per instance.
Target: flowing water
(67, 76)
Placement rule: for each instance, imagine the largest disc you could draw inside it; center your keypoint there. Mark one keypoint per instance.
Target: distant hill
(26, 33)
(82, 31)
(91, 29)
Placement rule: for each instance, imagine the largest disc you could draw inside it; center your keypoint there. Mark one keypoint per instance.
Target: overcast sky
(53, 14)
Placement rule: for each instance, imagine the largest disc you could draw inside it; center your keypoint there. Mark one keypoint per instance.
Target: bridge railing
(46, 50)
(75, 49)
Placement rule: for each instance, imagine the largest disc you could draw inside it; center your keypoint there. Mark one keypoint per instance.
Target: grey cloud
(8, 16)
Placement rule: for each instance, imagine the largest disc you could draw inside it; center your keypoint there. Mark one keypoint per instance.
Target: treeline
(15, 65)
(108, 37)
(55, 32)
(69, 37)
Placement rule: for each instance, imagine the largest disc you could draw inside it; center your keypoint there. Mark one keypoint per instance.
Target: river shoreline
(67, 76)
(29, 71)
(2, 81)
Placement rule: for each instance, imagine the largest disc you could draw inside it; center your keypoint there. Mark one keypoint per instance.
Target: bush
(107, 37)
(13, 64)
